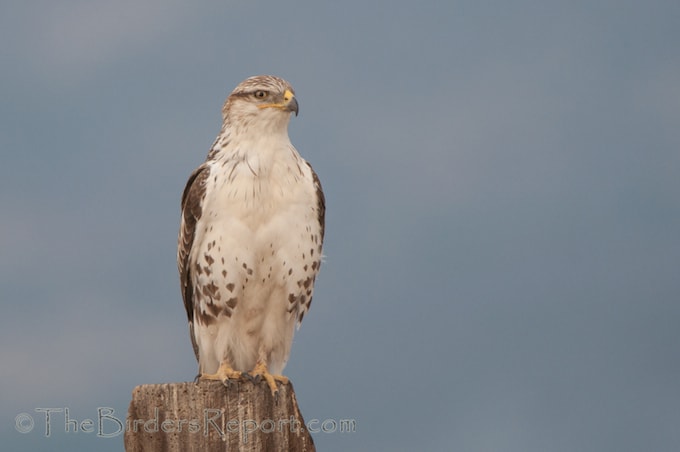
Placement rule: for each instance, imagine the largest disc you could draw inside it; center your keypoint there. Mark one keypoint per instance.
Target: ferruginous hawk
(250, 238)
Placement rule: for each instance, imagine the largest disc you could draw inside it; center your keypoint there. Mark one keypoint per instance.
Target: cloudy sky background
(503, 224)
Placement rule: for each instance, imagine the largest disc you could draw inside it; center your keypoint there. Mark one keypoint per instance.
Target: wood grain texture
(207, 416)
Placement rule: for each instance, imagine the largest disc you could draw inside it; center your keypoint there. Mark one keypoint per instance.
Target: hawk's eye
(260, 94)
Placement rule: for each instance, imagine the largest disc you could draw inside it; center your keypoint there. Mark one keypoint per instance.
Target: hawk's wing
(321, 201)
(321, 218)
(192, 200)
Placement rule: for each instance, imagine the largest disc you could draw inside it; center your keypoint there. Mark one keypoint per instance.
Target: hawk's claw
(254, 378)
(225, 374)
(261, 372)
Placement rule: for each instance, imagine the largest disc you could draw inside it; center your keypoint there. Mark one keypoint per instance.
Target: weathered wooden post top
(209, 416)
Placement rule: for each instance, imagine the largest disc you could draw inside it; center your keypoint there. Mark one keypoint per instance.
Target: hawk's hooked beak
(290, 102)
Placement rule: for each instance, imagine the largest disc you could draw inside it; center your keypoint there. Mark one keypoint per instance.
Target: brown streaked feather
(192, 199)
(320, 200)
(302, 304)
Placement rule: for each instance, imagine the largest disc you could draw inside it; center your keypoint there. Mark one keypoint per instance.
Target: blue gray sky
(503, 194)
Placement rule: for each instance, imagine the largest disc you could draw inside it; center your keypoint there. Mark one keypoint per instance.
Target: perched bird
(250, 238)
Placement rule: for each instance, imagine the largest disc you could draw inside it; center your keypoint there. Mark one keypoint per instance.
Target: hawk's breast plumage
(251, 235)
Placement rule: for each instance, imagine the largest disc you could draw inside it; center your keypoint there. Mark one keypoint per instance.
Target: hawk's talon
(261, 372)
(253, 378)
(225, 374)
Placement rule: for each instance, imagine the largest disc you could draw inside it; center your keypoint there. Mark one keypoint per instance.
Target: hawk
(250, 238)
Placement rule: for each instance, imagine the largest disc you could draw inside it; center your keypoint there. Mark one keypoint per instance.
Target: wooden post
(207, 416)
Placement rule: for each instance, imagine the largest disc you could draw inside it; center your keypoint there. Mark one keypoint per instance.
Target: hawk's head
(264, 100)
